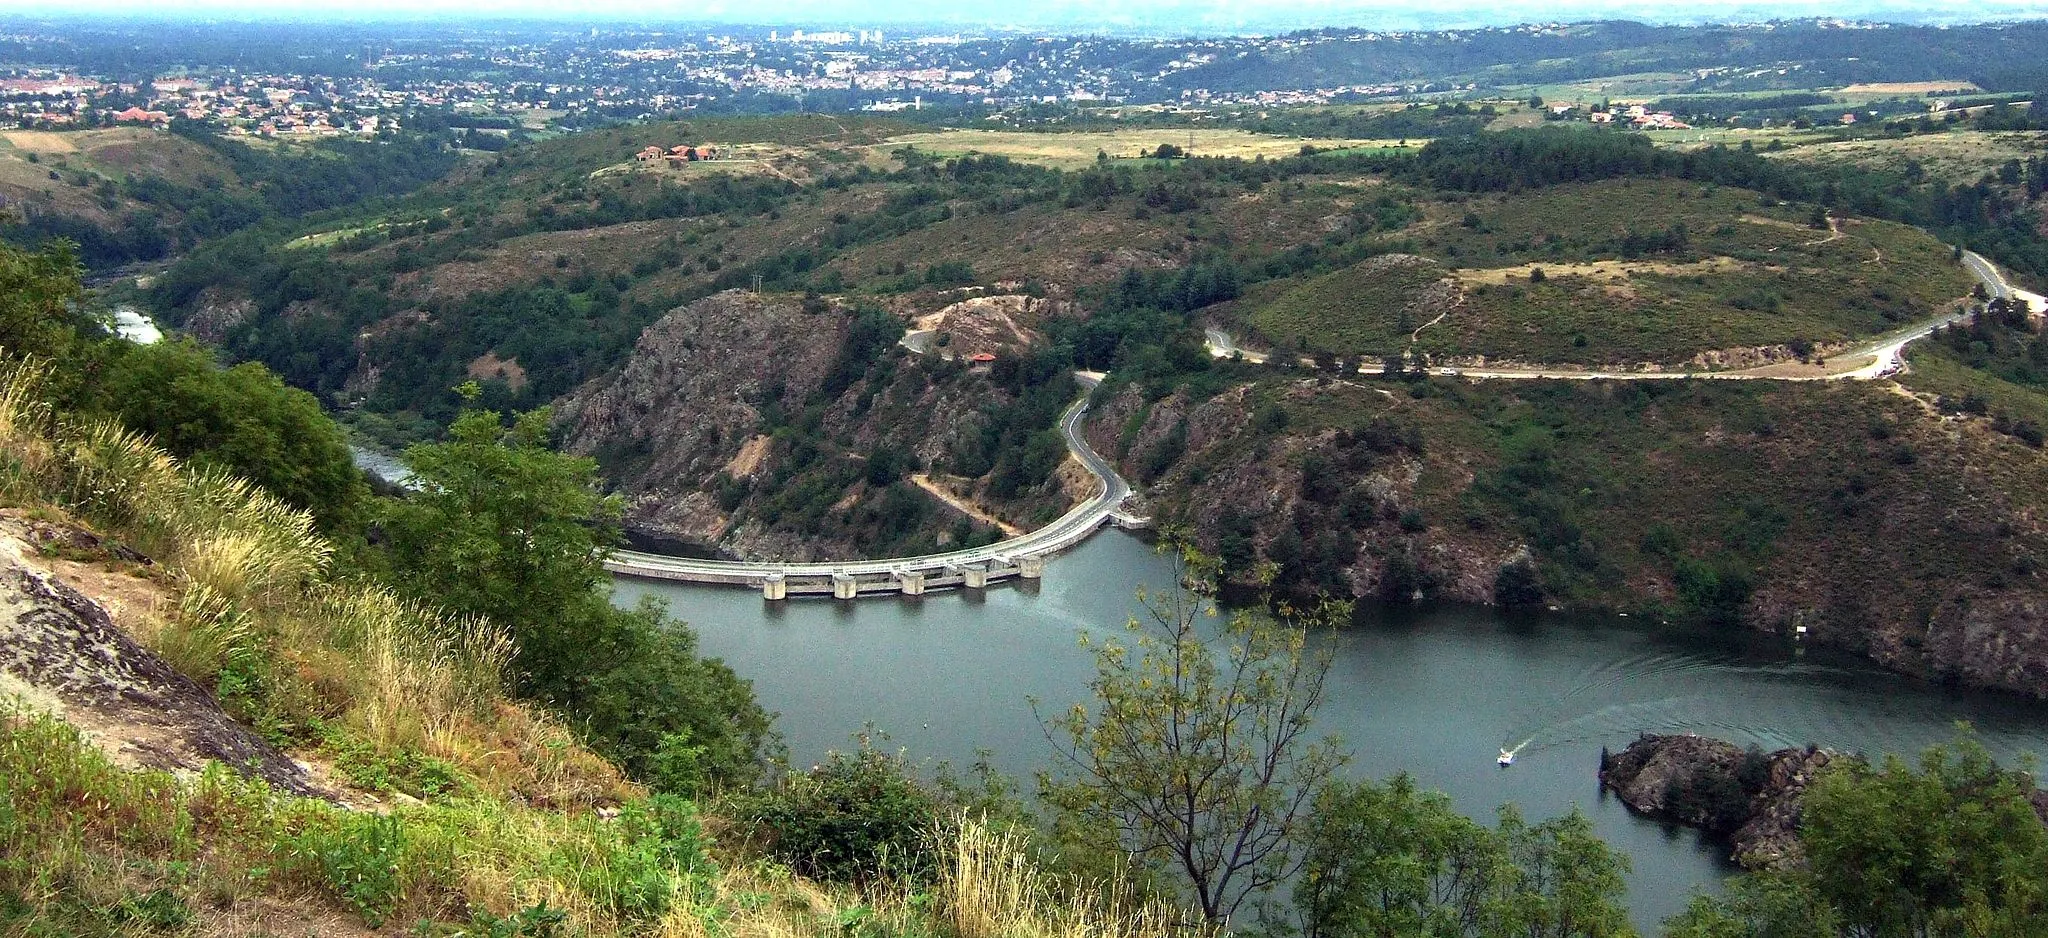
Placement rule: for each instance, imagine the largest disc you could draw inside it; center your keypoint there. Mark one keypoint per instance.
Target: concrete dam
(1021, 557)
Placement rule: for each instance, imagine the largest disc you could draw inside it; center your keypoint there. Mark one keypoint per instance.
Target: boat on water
(1507, 758)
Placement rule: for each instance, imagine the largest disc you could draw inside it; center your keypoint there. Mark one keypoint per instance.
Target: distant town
(490, 88)
(521, 82)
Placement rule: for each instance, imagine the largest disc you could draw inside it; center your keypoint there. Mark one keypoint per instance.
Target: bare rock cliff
(682, 430)
(686, 404)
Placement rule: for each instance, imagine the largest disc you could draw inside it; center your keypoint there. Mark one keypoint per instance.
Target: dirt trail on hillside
(964, 506)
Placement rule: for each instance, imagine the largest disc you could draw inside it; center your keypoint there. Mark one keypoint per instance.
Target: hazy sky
(1158, 15)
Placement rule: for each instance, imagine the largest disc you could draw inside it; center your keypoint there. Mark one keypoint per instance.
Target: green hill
(1632, 271)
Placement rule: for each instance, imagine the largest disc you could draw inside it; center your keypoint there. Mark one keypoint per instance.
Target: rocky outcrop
(1005, 324)
(1748, 796)
(218, 312)
(683, 430)
(60, 652)
(691, 397)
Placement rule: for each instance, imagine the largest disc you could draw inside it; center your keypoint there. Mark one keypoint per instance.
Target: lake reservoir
(1435, 692)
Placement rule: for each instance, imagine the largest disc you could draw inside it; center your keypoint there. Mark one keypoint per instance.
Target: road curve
(1887, 352)
(1082, 520)
(1069, 529)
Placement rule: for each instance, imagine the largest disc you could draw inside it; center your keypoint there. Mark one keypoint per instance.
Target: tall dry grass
(415, 674)
(215, 529)
(989, 887)
(256, 591)
(28, 458)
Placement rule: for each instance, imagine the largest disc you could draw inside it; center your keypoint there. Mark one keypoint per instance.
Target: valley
(744, 408)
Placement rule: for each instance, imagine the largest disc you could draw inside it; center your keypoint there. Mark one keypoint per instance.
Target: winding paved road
(1886, 354)
(1070, 529)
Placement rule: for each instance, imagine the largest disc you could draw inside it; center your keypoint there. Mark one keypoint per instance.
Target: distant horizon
(1162, 18)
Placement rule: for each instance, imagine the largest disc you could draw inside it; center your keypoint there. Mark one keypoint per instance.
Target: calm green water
(1435, 693)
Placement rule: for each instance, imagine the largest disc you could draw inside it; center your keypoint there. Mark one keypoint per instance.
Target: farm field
(1620, 89)
(65, 172)
(1958, 156)
(1077, 150)
(1943, 86)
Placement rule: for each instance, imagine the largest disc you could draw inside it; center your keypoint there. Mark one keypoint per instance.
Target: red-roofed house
(136, 115)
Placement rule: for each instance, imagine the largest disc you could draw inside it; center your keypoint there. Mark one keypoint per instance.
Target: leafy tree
(1764, 906)
(505, 528)
(1195, 757)
(243, 419)
(1387, 859)
(1950, 848)
(39, 291)
(1944, 850)
(1568, 882)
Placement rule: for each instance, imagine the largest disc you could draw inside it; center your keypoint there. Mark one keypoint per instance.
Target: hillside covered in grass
(126, 195)
(1622, 273)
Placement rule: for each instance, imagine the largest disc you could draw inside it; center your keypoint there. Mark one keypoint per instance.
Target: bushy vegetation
(1994, 365)
(1950, 846)
(1369, 309)
(241, 419)
(1980, 216)
(1384, 858)
(859, 817)
(503, 529)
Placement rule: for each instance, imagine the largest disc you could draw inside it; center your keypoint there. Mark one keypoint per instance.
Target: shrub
(360, 859)
(857, 817)
(1518, 585)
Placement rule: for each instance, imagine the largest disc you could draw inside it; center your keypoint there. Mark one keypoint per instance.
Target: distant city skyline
(1162, 17)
